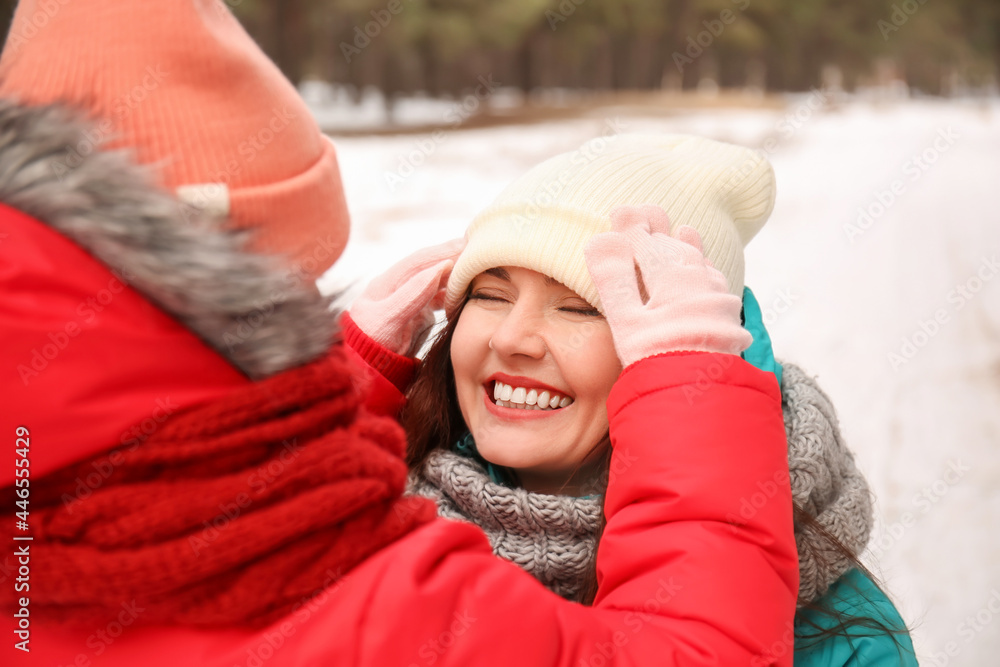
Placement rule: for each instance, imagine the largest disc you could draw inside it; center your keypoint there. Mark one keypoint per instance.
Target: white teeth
(521, 398)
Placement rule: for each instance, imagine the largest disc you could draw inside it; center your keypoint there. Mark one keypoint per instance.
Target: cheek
(458, 351)
(598, 362)
(467, 345)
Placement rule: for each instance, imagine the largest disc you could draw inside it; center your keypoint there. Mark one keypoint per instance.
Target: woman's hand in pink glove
(397, 308)
(689, 306)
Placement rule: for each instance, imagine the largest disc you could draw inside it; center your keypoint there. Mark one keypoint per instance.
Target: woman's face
(524, 339)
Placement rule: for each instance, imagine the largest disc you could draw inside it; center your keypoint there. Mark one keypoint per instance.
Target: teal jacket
(853, 595)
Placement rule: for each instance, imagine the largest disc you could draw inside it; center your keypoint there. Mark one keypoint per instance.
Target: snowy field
(878, 273)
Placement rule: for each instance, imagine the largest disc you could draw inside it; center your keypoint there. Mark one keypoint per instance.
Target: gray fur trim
(253, 308)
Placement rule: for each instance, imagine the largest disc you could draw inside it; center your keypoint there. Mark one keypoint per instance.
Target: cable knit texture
(825, 483)
(555, 537)
(552, 537)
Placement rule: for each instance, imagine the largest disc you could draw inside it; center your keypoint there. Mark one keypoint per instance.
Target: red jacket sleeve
(686, 577)
(732, 577)
(388, 374)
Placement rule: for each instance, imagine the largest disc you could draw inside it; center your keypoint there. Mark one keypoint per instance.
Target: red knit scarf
(230, 513)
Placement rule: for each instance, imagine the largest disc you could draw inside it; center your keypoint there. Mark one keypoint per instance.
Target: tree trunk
(524, 64)
(290, 38)
(680, 15)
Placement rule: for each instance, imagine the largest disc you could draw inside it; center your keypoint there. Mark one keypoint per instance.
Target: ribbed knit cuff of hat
(311, 239)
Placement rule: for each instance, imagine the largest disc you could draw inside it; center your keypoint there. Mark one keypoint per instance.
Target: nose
(519, 334)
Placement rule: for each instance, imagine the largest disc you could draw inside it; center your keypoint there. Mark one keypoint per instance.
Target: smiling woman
(535, 478)
(584, 275)
(508, 421)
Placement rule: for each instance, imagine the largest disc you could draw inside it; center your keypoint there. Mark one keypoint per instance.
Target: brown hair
(813, 633)
(432, 420)
(431, 417)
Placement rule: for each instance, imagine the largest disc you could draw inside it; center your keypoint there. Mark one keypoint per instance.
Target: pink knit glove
(397, 308)
(689, 306)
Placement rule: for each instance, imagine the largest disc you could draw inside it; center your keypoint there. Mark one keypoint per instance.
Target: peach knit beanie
(544, 219)
(185, 87)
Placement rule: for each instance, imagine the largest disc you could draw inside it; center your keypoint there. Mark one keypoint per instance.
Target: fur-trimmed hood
(256, 310)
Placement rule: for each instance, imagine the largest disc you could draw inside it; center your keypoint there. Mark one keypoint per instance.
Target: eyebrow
(502, 274)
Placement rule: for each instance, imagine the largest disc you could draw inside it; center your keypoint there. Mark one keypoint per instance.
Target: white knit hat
(544, 219)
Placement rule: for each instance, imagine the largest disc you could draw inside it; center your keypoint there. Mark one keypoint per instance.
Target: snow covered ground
(878, 273)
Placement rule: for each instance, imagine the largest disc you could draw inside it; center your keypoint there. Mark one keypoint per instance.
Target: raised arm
(682, 582)
(697, 433)
(686, 576)
(388, 323)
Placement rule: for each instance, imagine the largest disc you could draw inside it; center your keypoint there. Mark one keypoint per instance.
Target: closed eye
(588, 312)
(482, 296)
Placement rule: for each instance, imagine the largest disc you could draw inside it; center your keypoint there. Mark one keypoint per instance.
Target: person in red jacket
(209, 480)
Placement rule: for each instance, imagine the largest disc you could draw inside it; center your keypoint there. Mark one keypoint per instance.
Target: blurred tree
(443, 46)
(6, 14)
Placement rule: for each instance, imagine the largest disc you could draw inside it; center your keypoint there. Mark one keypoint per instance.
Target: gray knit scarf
(554, 537)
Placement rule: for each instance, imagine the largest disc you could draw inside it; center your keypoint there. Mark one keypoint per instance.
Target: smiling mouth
(527, 398)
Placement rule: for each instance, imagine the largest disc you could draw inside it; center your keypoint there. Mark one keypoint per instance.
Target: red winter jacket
(693, 434)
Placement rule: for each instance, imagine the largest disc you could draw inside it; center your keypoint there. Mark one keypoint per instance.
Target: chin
(505, 459)
(503, 456)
